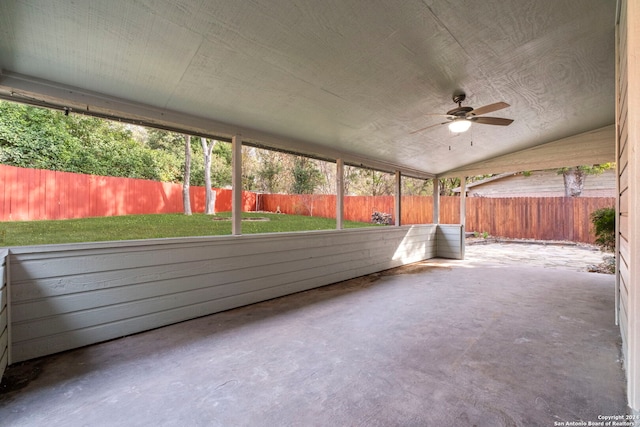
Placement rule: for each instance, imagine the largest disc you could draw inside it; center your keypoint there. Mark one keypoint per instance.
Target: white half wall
(72, 295)
(4, 313)
(450, 241)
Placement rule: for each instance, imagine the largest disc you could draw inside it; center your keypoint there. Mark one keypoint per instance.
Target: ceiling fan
(461, 118)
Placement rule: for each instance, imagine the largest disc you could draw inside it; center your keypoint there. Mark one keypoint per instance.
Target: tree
(574, 177)
(269, 173)
(327, 184)
(221, 164)
(210, 195)
(447, 185)
(306, 176)
(573, 181)
(368, 182)
(417, 187)
(40, 138)
(172, 145)
(249, 168)
(186, 199)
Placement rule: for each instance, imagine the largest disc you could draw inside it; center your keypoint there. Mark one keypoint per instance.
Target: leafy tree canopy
(46, 139)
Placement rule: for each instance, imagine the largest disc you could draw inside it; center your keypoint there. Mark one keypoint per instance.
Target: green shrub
(604, 224)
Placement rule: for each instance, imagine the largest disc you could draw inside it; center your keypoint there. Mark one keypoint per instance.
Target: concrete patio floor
(437, 343)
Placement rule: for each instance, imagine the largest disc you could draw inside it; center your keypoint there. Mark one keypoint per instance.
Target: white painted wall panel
(66, 296)
(628, 238)
(623, 182)
(450, 241)
(4, 313)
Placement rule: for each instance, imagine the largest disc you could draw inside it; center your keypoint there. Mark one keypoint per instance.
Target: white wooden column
(463, 213)
(463, 203)
(339, 193)
(236, 185)
(398, 210)
(436, 201)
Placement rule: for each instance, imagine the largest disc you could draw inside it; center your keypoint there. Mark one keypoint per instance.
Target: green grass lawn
(21, 233)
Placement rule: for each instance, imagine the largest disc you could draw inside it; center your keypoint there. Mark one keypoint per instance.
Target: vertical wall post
(236, 185)
(398, 209)
(339, 194)
(463, 203)
(463, 213)
(436, 201)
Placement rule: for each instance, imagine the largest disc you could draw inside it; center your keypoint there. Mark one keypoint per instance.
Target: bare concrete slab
(431, 344)
(557, 255)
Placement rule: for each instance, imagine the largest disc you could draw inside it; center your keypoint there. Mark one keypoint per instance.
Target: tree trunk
(186, 200)
(210, 195)
(573, 182)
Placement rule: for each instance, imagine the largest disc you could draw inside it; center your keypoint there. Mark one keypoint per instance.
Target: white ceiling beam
(589, 148)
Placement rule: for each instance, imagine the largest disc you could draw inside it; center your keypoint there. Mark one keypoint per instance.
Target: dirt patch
(415, 268)
(19, 376)
(363, 282)
(360, 282)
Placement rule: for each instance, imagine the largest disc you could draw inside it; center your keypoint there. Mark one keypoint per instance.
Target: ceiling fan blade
(499, 121)
(487, 109)
(428, 127)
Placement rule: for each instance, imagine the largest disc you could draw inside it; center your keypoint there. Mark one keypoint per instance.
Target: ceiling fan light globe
(459, 126)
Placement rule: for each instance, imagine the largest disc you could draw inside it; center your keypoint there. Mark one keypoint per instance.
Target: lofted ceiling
(345, 78)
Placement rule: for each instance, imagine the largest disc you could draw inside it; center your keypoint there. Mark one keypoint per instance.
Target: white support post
(463, 213)
(236, 185)
(436, 201)
(398, 210)
(339, 194)
(463, 203)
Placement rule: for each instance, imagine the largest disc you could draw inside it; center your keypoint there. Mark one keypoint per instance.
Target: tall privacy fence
(35, 194)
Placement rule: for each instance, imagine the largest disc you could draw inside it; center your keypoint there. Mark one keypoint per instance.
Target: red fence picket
(37, 194)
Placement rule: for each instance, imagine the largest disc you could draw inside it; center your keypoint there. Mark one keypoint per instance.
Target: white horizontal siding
(544, 184)
(67, 296)
(450, 241)
(622, 259)
(4, 313)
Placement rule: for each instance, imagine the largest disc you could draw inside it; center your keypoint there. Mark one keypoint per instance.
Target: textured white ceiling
(354, 76)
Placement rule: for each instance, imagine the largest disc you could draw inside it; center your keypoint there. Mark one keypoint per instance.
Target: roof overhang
(589, 148)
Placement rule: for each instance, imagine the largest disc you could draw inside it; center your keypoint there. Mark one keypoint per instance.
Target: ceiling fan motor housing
(459, 97)
(459, 111)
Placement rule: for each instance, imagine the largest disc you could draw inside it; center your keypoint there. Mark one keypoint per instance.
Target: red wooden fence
(415, 209)
(543, 218)
(35, 194)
